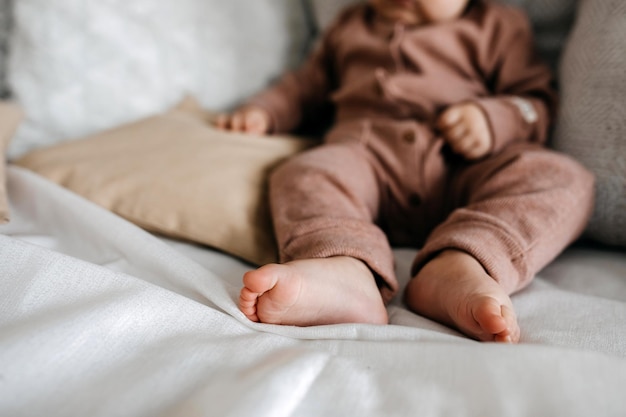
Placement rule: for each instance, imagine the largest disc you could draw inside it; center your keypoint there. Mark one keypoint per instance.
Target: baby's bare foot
(311, 292)
(455, 290)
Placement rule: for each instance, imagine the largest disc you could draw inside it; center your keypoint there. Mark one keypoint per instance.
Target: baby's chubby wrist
(465, 127)
(511, 118)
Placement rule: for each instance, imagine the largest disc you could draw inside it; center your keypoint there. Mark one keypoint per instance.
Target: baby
(440, 109)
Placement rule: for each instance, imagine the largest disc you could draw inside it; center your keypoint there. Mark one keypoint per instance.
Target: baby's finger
(474, 149)
(461, 147)
(251, 126)
(256, 127)
(449, 118)
(455, 133)
(475, 152)
(237, 122)
(222, 121)
(255, 124)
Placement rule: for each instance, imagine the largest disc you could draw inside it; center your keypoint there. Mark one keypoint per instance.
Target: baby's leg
(516, 212)
(324, 203)
(454, 289)
(312, 292)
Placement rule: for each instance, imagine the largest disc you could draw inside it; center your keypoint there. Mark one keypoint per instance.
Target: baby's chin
(404, 17)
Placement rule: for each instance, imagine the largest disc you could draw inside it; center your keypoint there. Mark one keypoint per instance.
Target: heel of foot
(455, 290)
(313, 292)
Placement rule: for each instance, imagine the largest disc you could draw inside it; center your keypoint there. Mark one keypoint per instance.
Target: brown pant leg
(324, 203)
(517, 211)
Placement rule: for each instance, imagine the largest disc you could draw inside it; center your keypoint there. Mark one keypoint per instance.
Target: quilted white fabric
(592, 124)
(79, 66)
(100, 319)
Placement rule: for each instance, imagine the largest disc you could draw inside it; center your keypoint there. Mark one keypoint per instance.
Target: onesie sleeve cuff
(511, 119)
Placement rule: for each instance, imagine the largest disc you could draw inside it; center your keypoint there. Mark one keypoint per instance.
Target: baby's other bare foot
(311, 292)
(455, 290)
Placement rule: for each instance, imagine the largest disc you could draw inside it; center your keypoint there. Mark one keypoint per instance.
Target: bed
(102, 316)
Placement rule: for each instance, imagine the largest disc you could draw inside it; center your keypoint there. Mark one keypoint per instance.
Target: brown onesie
(385, 177)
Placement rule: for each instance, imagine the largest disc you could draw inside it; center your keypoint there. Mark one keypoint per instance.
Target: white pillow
(78, 66)
(592, 120)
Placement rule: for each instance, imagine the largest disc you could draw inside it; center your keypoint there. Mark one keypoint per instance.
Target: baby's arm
(298, 94)
(523, 101)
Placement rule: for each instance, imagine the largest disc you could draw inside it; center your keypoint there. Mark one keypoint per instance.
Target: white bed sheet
(99, 318)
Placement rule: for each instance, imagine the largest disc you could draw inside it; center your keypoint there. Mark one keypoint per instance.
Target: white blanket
(99, 318)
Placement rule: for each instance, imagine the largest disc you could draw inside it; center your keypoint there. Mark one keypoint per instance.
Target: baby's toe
(512, 332)
(487, 312)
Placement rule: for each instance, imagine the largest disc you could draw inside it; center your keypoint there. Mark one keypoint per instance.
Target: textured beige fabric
(176, 175)
(10, 117)
(592, 123)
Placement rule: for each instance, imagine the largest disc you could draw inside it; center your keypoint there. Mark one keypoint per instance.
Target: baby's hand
(466, 129)
(249, 119)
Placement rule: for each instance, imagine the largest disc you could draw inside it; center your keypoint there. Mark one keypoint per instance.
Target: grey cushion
(552, 21)
(5, 26)
(324, 11)
(592, 120)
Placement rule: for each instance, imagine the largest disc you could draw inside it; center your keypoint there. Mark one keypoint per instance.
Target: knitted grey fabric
(592, 120)
(5, 27)
(552, 21)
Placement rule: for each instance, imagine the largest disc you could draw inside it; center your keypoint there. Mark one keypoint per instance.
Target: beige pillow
(174, 174)
(10, 117)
